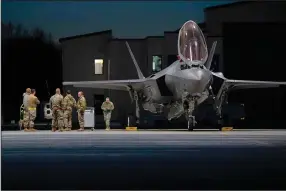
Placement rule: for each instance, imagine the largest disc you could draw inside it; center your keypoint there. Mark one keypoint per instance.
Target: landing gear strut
(137, 108)
(220, 123)
(221, 98)
(191, 123)
(190, 103)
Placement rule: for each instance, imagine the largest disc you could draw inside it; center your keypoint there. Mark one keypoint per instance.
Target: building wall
(252, 58)
(241, 30)
(80, 53)
(244, 12)
(170, 46)
(241, 12)
(121, 60)
(78, 63)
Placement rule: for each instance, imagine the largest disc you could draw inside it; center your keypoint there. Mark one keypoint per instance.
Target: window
(98, 66)
(156, 63)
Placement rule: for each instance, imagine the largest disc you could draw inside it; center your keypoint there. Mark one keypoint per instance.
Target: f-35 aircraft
(182, 86)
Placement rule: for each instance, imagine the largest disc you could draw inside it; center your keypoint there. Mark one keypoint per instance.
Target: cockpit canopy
(192, 47)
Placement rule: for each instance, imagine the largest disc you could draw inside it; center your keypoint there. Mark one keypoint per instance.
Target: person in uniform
(81, 106)
(56, 105)
(68, 103)
(25, 111)
(107, 108)
(33, 101)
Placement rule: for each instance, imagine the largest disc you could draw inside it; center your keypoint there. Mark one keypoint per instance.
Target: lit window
(98, 66)
(156, 63)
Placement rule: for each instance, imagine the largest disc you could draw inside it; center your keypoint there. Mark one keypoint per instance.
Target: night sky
(126, 19)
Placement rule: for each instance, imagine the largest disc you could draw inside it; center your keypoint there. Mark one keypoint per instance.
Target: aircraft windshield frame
(192, 47)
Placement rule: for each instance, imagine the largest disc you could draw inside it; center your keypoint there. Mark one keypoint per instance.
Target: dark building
(245, 31)
(251, 46)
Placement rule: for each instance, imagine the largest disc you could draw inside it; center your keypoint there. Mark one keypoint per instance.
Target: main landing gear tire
(191, 124)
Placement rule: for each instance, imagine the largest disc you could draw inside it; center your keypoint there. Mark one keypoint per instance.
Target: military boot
(26, 129)
(32, 129)
(54, 129)
(81, 129)
(107, 128)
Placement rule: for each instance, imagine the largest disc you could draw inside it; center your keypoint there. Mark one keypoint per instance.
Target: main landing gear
(137, 107)
(190, 103)
(220, 100)
(191, 123)
(220, 123)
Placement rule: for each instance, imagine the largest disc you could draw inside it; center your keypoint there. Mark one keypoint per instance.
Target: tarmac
(169, 159)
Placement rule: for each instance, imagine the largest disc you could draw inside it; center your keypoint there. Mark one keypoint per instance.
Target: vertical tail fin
(140, 75)
(209, 62)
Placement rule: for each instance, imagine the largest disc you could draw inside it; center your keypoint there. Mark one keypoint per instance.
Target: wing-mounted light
(192, 47)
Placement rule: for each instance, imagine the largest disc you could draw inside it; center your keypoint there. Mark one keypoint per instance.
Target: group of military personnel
(61, 107)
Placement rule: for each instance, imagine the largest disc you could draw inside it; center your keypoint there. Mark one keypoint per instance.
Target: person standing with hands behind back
(68, 103)
(81, 106)
(107, 108)
(57, 103)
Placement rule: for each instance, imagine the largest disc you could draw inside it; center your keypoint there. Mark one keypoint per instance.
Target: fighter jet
(184, 85)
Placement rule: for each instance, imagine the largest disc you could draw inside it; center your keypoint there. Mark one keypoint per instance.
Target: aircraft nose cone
(198, 75)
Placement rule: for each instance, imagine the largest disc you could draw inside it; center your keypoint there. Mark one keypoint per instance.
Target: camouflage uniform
(107, 108)
(33, 101)
(56, 104)
(81, 106)
(68, 103)
(25, 112)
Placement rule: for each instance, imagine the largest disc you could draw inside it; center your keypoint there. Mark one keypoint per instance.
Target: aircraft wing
(109, 84)
(246, 84)
(229, 85)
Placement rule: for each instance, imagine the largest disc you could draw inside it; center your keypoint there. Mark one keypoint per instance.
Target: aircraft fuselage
(178, 78)
(169, 88)
(192, 80)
